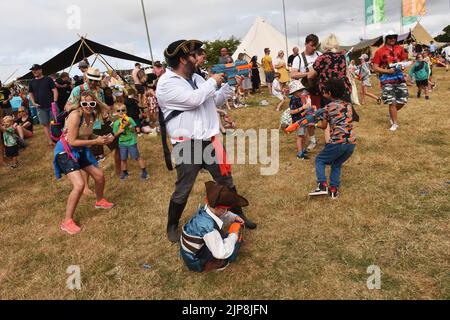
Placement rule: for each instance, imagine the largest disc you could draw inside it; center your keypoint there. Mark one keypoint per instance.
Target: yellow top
(267, 63)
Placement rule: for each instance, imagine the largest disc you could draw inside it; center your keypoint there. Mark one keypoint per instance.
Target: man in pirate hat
(204, 245)
(188, 114)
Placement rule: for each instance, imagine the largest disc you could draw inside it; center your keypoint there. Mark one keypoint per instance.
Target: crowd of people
(94, 110)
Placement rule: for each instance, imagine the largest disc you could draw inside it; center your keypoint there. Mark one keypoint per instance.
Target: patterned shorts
(395, 93)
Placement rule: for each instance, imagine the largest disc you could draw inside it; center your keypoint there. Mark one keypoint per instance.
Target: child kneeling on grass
(204, 245)
(125, 129)
(338, 114)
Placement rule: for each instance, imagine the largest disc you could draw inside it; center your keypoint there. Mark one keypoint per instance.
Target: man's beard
(189, 69)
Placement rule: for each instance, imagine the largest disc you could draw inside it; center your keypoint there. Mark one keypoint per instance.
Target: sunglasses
(90, 104)
(121, 110)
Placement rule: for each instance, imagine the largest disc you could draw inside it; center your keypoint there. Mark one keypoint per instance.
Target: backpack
(311, 84)
(286, 118)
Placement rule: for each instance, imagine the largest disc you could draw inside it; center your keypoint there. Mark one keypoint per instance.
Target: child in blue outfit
(420, 71)
(204, 245)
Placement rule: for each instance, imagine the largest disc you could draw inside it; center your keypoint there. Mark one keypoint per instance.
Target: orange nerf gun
(236, 228)
(231, 70)
(310, 116)
(123, 120)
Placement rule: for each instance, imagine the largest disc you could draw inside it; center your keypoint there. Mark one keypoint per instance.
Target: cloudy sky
(34, 31)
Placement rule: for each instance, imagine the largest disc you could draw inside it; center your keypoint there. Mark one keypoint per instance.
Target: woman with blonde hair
(331, 64)
(72, 156)
(280, 66)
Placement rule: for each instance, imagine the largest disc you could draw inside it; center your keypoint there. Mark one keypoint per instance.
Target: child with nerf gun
(300, 101)
(125, 129)
(338, 114)
(204, 245)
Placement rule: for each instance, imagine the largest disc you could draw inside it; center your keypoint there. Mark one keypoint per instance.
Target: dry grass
(303, 248)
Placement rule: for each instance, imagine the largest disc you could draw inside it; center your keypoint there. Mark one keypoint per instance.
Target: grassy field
(393, 212)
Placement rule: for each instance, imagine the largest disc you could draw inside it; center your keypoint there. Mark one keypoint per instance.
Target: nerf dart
(231, 70)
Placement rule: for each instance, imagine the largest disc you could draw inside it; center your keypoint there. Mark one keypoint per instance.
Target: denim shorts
(301, 131)
(132, 150)
(45, 115)
(270, 76)
(67, 165)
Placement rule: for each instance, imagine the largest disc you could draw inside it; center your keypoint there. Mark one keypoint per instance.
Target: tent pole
(285, 28)
(96, 56)
(124, 80)
(146, 28)
(106, 64)
(76, 54)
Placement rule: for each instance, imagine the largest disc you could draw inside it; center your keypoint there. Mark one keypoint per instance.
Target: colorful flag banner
(374, 10)
(412, 10)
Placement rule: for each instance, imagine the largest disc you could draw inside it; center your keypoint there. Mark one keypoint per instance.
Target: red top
(385, 56)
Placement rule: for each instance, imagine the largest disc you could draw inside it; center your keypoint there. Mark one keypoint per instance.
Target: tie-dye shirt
(339, 115)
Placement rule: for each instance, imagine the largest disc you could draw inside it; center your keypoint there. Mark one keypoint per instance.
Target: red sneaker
(70, 227)
(103, 204)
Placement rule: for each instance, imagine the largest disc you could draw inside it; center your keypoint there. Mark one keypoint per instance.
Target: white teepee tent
(262, 35)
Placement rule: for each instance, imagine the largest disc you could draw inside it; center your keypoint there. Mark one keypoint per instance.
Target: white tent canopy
(262, 35)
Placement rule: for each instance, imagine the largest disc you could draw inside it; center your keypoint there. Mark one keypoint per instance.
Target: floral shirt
(332, 65)
(339, 115)
(384, 57)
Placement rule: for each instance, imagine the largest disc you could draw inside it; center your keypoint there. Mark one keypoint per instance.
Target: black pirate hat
(182, 48)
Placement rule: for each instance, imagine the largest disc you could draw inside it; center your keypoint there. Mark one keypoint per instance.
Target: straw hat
(94, 74)
(295, 85)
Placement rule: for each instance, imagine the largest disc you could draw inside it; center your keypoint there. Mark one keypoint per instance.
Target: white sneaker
(311, 146)
(394, 127)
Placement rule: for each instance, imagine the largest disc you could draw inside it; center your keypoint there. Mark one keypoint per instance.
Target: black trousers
(188, 167)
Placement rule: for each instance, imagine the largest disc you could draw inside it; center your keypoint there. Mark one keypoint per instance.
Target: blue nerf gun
(309, 117)
(231, 70)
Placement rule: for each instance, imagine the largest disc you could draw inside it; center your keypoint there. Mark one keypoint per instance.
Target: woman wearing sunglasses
(72, 154)
(24, 124)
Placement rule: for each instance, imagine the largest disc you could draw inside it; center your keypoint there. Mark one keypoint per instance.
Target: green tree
(445, 36)
(212, 49)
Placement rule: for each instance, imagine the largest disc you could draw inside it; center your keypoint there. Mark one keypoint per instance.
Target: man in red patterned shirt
(393, 83)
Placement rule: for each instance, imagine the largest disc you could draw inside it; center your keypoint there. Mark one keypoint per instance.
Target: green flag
(374, 11)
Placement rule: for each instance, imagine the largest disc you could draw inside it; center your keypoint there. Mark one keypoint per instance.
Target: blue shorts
(67, 165)
(132, 150)
(269, 77)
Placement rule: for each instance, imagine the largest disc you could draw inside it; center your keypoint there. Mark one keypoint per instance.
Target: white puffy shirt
(199, 120)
